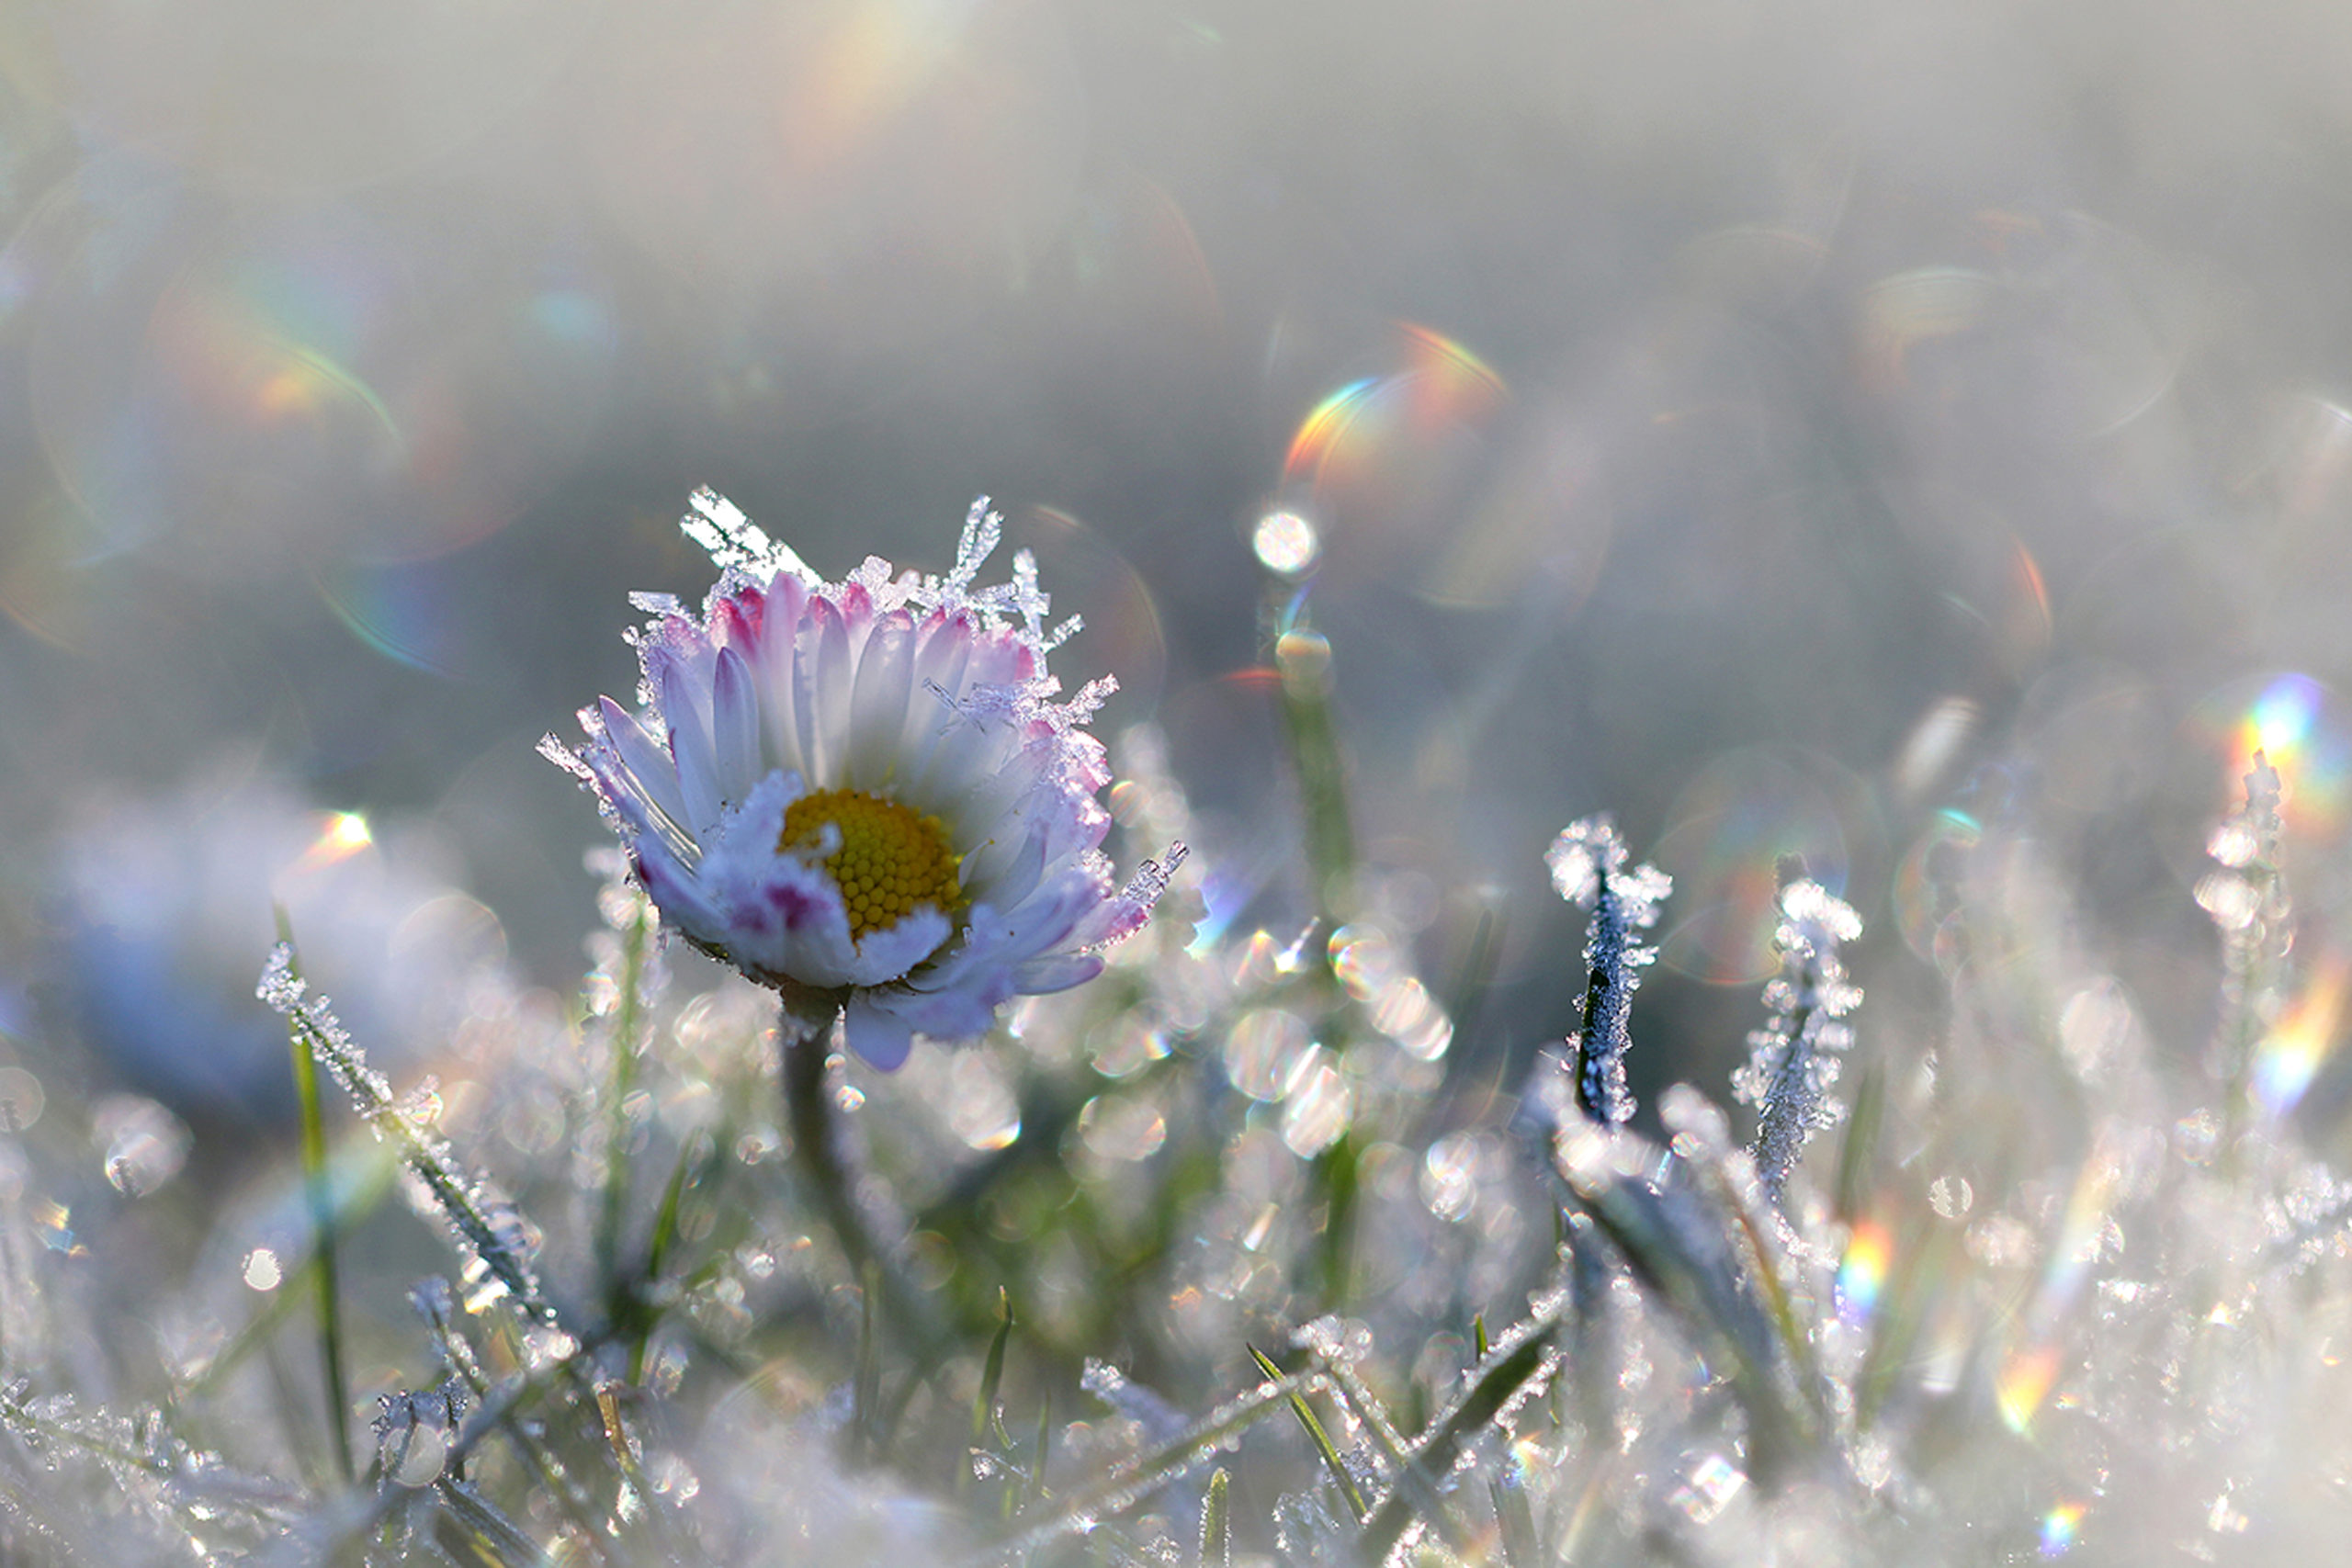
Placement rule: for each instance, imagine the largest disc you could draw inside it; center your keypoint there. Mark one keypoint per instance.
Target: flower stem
(804, 1030)
(815, 1139)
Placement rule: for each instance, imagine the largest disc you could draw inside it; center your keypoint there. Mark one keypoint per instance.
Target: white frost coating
(1794, 1061)
(1588, 864)
(497, 1246)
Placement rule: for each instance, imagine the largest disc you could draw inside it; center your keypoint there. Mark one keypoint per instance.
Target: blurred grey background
(1775, 423)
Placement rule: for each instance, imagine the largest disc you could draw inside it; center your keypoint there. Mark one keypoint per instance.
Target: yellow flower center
(890, 858)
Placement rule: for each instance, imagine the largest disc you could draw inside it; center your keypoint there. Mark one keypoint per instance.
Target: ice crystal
(734, 541)
(1794, 1061)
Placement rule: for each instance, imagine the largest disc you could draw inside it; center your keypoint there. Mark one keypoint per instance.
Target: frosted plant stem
(458, 1356)
(1608, 1010)
(2246, 895)
(814, 1139)
(1588, 867)
(627, 1011)
(1787, 1122)
(1303, 659)
(1793, 1060)
(804, 1031)
(500, 1413)
(496, 1249)
(321, 1200)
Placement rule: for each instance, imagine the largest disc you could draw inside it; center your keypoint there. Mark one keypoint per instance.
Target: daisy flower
(864, 793)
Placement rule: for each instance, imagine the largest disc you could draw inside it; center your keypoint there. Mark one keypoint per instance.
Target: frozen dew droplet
(416, 1457)
(1123, 1127)
(144, 1144)
(2230, 898)
(1450, 1176)
(1708, 1488)
(545, 1345)
(1319, 1108)
(1285, 543)
(1303, 659)
(1262, 1051)
(261, 1270)
(483, 1287)
(21, 1099)
(1364, 960)
(415, 1430)
(1950, 1196)
(2233, 843)
(1586, 850)
(981, 1109)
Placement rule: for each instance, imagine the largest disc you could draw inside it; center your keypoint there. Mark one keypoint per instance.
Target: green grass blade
(865, 1389)
(1217, 1534)
(1858, 1154)
(697, 1162)
(1515, 1519)
(1316, 1435)
(1525, 1354)
(320, 1194)
(992, 1370)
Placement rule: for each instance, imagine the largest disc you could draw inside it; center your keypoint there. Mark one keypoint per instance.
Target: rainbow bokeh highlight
(1727, 833)
(1437, 386)
(342, 834)
(1861, 1273)
(2060, 1527)
(2298, 724)
(2025, 1381)
(2303, 1038)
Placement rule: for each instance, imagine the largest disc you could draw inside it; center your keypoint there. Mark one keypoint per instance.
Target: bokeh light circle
(1728, 835)
(314, 384)
(1384, 457)
(2303, 727)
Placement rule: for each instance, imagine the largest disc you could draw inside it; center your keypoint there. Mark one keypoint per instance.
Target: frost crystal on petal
(734, 541)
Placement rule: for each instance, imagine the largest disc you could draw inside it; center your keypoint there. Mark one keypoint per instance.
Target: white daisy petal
(1056, 972)
(863, 789)
(690, 746)
(944, 1015)
(734, 726)
(889, 952)
(877, 720)
(827, 672)
(647, 764)
(880, 1036)
(772, 666)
